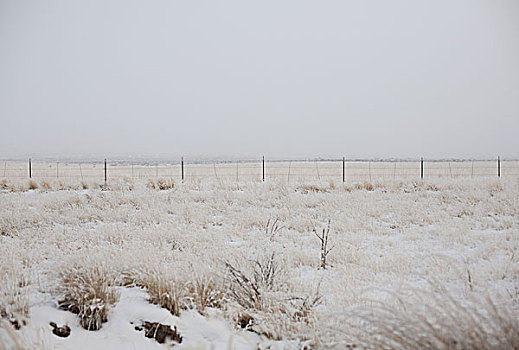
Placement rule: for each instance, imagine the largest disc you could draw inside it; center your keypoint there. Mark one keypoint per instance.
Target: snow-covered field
(239, 265)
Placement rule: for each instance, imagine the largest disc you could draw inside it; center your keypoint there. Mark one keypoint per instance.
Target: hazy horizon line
(165, 159)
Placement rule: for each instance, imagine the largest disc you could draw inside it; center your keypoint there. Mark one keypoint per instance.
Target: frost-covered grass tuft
(267, 306)
(89, 292)
(205, 292)
(166, 293)
(437, 320)
(161, 184)
(14, 289)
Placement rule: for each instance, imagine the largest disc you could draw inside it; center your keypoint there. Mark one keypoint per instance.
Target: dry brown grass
(88, 292)
(307, 188)
(165, 184)
(163, 292)
(33, 185)
(128, 184)
(204, 292)
(151, 184)
(45, 185)
(368, 186)
(162, 184)
(14, 291)
(175, 295)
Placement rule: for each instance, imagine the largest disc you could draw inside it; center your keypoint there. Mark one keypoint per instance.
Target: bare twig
(323, 237)
(273, 227)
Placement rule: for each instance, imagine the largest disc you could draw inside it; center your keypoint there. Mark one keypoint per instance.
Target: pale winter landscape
(259, 175)
(211, 263)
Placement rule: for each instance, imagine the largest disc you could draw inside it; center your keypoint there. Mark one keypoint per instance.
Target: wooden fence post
(263, 168)
(421, 168)
(182, 167)
(30, 168)
(105, 172)
(498, 166)
(343, 170)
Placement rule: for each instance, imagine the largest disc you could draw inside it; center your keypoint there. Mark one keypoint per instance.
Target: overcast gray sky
(363, 78)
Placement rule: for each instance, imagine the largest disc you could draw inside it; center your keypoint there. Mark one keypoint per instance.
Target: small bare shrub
(323, 237)
(247, 289)
(282, 316)
(84, 185)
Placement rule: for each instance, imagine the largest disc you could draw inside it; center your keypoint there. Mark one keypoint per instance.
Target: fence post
(105, 171)
(421, 168)
(498, 166)
(263, 166)
(343, 170)
(182, 167)
(30, 168)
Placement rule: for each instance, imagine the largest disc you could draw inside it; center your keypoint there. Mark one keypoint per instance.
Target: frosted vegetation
(406, 264)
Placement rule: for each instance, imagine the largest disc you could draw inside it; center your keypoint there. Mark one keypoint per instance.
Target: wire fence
(261, 170)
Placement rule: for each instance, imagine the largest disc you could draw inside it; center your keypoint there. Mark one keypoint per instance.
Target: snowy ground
(451, 236)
